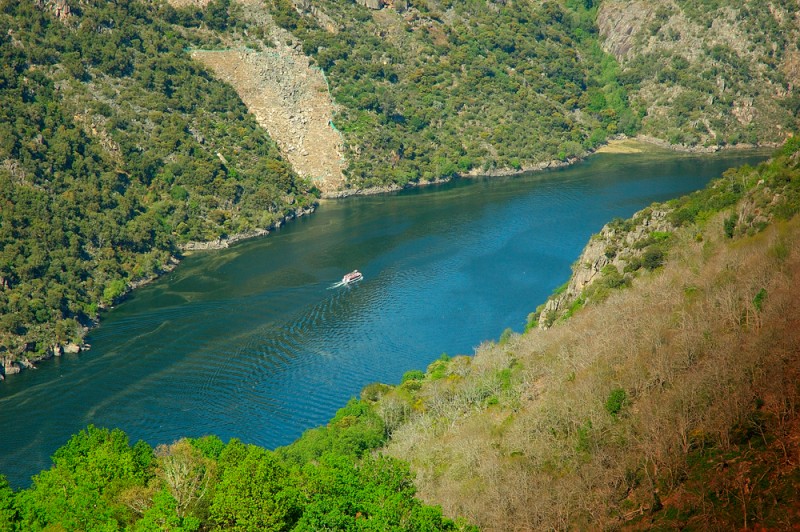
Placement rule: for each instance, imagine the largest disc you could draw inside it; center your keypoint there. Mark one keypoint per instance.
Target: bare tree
(186, 473)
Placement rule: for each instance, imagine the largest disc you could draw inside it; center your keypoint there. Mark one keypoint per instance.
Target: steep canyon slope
(708, 73)
(667, 402)
(667, 398)
(286, 94)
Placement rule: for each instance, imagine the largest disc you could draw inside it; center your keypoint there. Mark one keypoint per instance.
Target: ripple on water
(250, 342)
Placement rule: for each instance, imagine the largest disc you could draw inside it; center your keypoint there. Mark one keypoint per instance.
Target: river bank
(620, 144)
(10, 365)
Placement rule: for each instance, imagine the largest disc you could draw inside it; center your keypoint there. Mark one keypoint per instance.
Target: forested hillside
(708, 72)
(669, 400)
(444, 88)
(661, 390)
(115, 150)
(432, 88)
(101, 482)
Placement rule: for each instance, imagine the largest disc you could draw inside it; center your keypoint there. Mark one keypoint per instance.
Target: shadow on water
(251, 342)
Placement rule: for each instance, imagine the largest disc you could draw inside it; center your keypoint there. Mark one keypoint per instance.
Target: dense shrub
(110, 145)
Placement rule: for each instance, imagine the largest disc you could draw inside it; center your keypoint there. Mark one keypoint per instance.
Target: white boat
(352, 277)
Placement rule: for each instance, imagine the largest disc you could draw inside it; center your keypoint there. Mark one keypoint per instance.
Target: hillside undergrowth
(115, 150)
(671, 401)
(708, 73)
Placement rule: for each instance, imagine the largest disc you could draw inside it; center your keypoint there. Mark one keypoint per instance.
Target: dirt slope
(288, 97)
(291, 101)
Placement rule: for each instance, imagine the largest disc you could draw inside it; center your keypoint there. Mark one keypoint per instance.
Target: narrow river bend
(251, 342)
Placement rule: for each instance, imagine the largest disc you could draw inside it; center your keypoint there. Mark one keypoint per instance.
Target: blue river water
(252, 342)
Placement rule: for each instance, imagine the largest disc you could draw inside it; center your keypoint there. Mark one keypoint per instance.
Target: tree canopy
(115, 149)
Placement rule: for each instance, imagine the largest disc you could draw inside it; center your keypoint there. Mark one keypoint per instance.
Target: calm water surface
(251, 342)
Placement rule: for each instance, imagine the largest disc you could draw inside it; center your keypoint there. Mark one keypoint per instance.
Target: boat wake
(349, 278)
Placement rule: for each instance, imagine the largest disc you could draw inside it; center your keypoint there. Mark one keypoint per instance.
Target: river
(251, 342)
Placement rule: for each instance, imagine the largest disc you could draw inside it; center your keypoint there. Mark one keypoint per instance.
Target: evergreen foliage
(456, 87)
(115, 149)
(354, 430)
(100, 482)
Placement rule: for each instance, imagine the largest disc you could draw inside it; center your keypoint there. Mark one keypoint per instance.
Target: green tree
(79, 491)
(374, 494)
(616, 400)
(163, 515)
(8, 515)
(254, 491)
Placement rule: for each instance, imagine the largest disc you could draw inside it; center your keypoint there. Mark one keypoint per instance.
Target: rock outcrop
(72, 348)
(372, 4)
(60, 8)
(322, 18)
(616, 245)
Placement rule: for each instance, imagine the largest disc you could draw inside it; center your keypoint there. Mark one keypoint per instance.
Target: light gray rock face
(372, 4)
(72, 348)
(9, 367)
(595, 257)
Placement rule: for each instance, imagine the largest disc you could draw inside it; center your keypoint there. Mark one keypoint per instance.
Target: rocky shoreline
(10, 365)
(547, 165)
(497, 172)
(646, 139)
(223, 243)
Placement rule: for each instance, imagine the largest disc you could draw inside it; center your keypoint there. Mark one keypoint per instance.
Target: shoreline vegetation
(621, 145)
(618, 145)
(73, 347)
(668, 399)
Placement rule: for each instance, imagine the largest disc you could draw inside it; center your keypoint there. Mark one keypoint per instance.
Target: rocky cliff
(712, 73)
(623, 249)
(611, 259)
